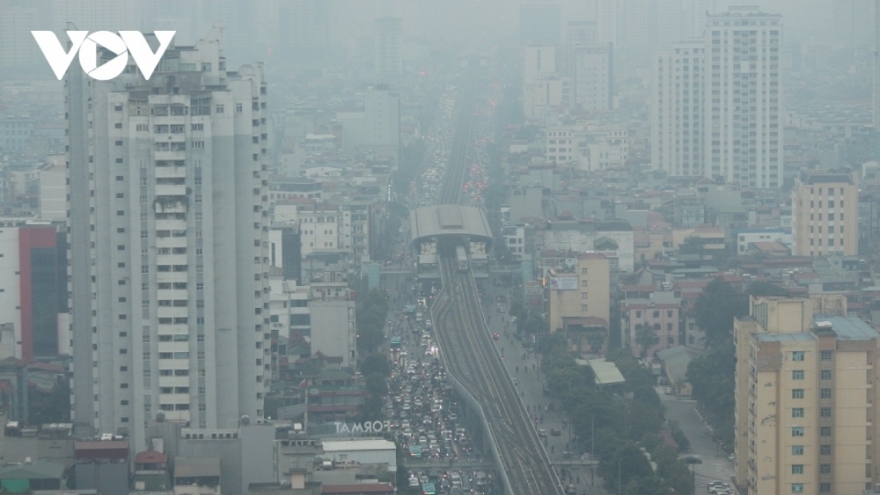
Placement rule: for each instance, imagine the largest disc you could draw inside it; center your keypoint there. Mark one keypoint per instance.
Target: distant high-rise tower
(742, 128)
(168, 243)
(717, 104)
(677, 110)
(592, 77)
(389, 64)
(876, 102)
(577, 33)
(539, 23)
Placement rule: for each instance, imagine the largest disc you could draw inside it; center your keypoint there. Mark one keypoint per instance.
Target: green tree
(715, 309)
(692, 245)
(626, 464)
(646, 337)
(376, 363)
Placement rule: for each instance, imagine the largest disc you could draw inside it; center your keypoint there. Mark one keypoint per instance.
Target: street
(716, 465)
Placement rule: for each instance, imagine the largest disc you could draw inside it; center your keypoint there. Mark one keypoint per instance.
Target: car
(555, 432)
(691, 459)
(495, 336)
(542, 433)
(668, 390)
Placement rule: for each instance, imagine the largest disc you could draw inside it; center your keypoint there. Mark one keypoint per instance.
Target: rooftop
(196, 467)
(357, 444)
(606, 372)
(849, 327)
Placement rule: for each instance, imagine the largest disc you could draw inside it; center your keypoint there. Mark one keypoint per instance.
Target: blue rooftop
(783, 337)
(849, 327)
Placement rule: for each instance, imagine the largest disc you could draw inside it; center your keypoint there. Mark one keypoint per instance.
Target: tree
(646, 338)
(692, 245)
(715, 309)
(627, 463)
(376, 363)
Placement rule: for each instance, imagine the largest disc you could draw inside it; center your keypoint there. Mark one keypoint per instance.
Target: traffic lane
(524, 372)
(716, 465)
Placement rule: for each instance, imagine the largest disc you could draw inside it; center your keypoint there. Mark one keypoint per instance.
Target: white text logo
(86, 45)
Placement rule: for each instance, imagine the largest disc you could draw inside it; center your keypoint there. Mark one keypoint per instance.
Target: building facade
(806, 379)
(677, 110)
(742, 95)
(717, 102)
(579, 299)
(168, 224)
(825, 214)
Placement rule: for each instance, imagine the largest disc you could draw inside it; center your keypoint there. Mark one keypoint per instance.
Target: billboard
(562, 282)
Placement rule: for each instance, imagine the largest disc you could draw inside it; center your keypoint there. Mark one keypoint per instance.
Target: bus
(395, 344)
(461, 256)
(428, 489)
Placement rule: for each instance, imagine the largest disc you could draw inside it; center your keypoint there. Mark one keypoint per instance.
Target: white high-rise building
(592, 77)
(742, 128)
(387, 54)
(168, 243)
(719, 113)
(677, 110)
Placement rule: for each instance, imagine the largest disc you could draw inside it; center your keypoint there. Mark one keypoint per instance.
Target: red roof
(151, 457)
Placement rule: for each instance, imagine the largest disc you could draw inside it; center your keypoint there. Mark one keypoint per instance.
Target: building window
(797, 450)
(825, 487)
(825, 450)
(797, 469)
(826, 374)
(825, 355)
(825, 393)
(825, 431)
(797, 412)
(825, 469)
(825, 412)
(797, 375)
(797, 356)
(797, 431)
(797, 488)
(797, 393)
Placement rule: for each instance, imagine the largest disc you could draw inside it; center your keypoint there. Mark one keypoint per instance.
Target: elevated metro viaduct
(439, 229)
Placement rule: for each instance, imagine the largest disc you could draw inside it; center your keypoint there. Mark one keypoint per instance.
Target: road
(716, 465)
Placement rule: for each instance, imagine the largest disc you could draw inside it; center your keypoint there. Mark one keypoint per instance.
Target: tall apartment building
(677, 110)
(742, 128)
(825, 213)
(593, 77)
(739, 119)
(806, 383)
(168, 238)
(577, 33)
(387, 50)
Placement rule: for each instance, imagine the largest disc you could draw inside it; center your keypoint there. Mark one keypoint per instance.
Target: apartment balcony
(170, 155)
(170, 190)
(171, 277)
(171, 172)
(171, 242)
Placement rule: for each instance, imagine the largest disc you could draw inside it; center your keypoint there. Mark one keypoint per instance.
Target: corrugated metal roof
(849, 327)
(606, 372)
